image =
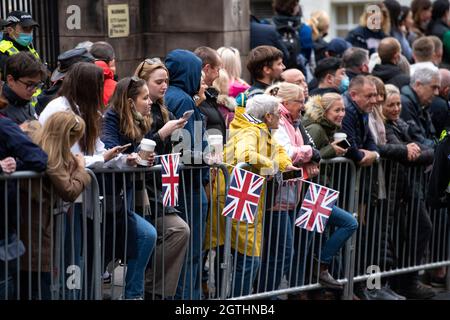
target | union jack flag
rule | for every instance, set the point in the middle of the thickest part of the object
(170, 179)
(316, 208)
(243, 196)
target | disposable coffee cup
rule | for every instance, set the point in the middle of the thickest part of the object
(216, 147)
(146, 148)
(216, 143)
(340, 136)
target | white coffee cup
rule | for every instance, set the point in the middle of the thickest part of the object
(146, 148)
(339, 136)
(148, 145)
(216, 147)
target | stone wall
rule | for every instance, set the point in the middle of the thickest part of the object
(159, 26)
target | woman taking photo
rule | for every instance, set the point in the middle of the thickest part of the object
(126, 122)
(172, 229)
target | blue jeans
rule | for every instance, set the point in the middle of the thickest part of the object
(194, 211)
(346, 225)
(145, 243)
(245, 269)
(278, 248)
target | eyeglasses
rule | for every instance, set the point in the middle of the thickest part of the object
(133, 79)
(149, 62)
(32, 86)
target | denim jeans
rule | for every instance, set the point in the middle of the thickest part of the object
(194, 211)
(278, 248)
(244, 272)
(73, 249)
(145, 243)
(346, 225)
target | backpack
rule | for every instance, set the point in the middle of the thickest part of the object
(291, 40)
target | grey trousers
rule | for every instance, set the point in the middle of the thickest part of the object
(163, 273)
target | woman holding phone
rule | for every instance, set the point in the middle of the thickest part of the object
(173, 230)
(125, 123)
(323, 118)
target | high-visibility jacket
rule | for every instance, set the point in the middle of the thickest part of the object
(7, 47)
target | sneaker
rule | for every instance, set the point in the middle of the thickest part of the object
(417, 291)
(379, 294)
(393, 293)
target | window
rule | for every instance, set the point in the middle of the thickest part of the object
(346, 17)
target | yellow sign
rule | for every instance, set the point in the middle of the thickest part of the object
(118, 20)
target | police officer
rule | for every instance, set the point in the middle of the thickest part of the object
(18, 37)
(65, 62)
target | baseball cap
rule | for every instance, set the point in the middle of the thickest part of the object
(21, 17)
(338, 46)
(67, 59)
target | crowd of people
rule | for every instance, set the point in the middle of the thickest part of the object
(386, 88)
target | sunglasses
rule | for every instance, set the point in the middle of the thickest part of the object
(149, 62)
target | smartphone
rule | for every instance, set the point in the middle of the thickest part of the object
(124, 147)
(290, 175)
(188, 114)
(344, 144)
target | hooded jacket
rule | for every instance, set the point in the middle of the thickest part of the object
(110, 84)
(391, 74)
(185, 70)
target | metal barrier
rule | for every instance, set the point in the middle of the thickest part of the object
(176, 268)
(288, 252)
(199, 254)
(398, 234)
(44, 241)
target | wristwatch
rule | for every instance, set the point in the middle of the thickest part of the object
(196, 98)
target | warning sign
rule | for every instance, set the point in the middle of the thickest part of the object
(118, 20)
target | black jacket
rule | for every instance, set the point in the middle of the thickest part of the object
(440, 114)
(356, 126)
(322, 91)
(265, 34)
(359, 37)
(18, 110)
(391, 74)
(14, 143)
(215, 122)
(437, 195)
(418, 118)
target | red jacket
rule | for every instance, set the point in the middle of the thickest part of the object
(110, 83)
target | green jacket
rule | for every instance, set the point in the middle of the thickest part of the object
(322, 133)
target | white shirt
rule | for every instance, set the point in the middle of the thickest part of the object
(61, 104)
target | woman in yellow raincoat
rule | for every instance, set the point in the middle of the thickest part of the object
(251, 142)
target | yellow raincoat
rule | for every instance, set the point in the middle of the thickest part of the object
(250, 142)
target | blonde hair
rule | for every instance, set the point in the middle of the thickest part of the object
(231, 60)
(386, 24)
(285, 91)
(144, 71)
(222, 83)
(391, 90)
(60, 132)
(318, 105)
(318, 22)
